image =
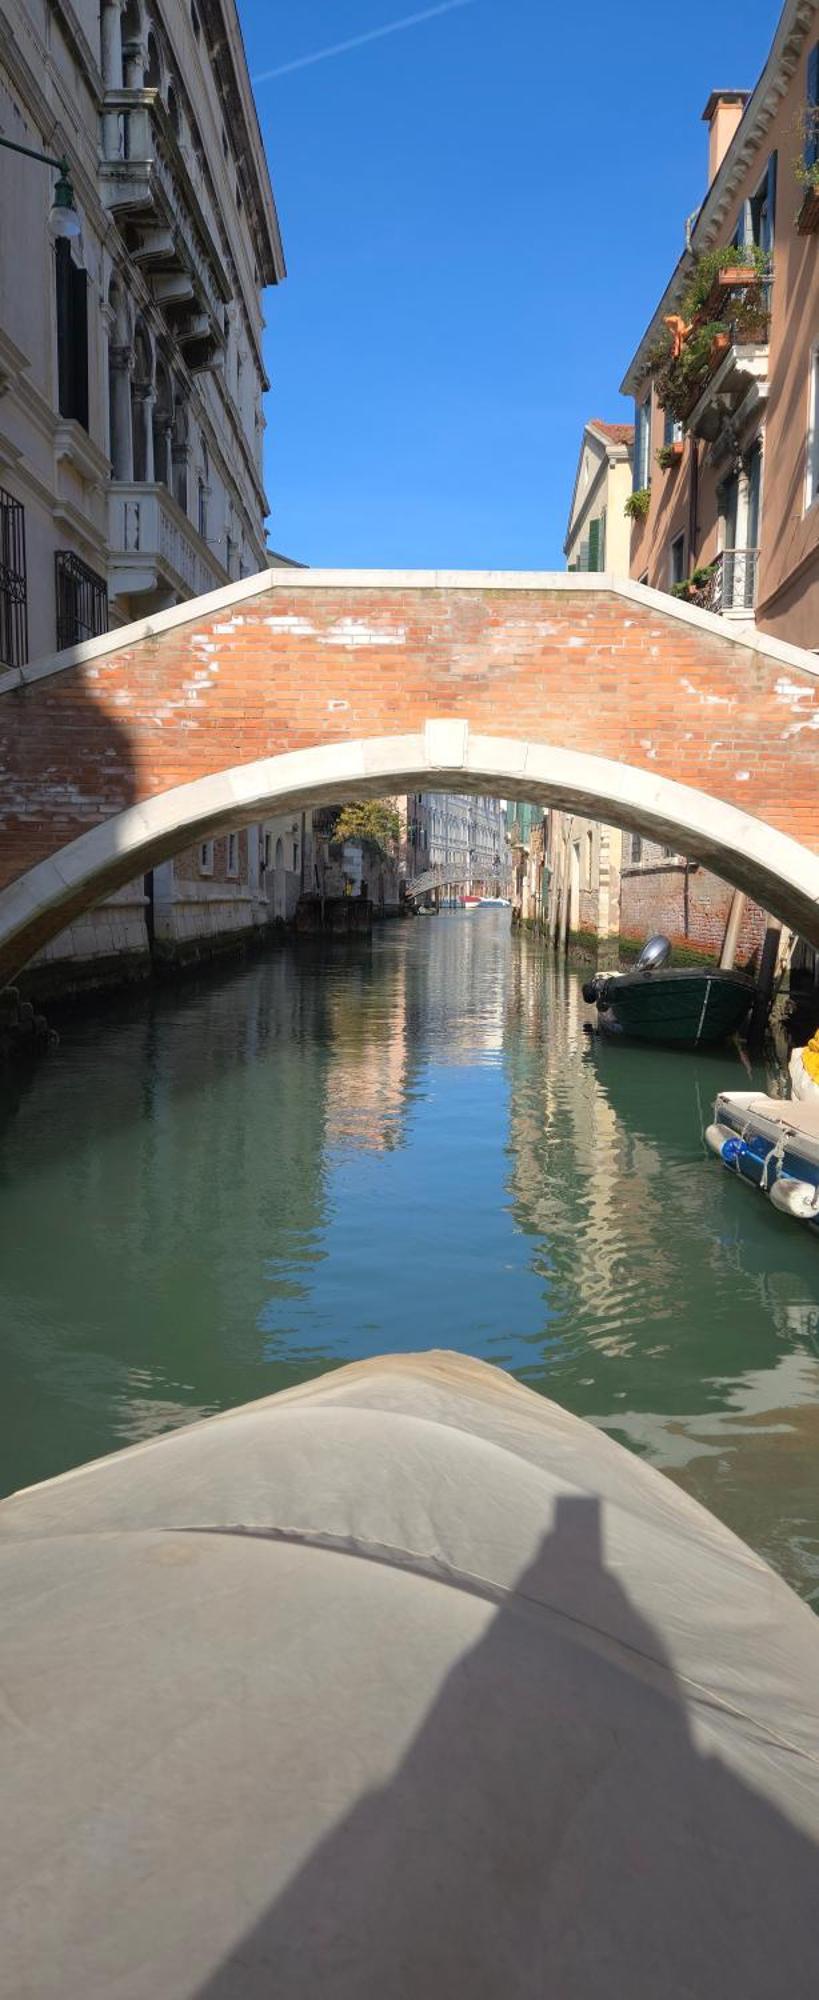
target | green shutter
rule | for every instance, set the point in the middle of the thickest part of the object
(812, 109)
(594, 545)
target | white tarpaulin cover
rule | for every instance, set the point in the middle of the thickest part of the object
(403, 1683)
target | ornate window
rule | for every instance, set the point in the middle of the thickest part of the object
(82, 600)
(13, 592)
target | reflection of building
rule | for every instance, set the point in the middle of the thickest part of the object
(131, 423)
(530, 874)
(368, 1081)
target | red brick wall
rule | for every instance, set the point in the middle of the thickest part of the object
(291, 668)
(690, 906)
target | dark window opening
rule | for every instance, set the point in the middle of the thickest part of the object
(13, 592)
(82, 600)
(676, 567)
(72, 336)
(636, 849)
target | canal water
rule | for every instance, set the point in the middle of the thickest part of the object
(213, 1191)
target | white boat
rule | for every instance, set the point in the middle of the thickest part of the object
(773, 1142)
(496, 902)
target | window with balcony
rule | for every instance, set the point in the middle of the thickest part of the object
(82, 600)
(13, 590)
(72, 336)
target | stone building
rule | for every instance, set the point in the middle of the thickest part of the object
(461, 835)
(131, 375)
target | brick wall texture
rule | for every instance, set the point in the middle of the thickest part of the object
(295, 668)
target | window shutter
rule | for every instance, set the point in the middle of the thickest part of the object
(79, 321)
(772, 164)
(811, 133)
(63, 281)
(72, 336)
(594, 545)
(640, 411)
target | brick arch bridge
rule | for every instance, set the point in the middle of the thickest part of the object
(299, 687)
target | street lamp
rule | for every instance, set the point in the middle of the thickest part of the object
(63, 220)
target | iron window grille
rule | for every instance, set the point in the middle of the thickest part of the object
(82, 601)
(13, 591)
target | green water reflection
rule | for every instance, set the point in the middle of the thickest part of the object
(213, 1192)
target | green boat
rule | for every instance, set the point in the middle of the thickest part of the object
(660, 1003)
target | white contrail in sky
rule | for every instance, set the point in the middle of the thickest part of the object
(357, 41)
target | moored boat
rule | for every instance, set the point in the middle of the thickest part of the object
(773, 1142)
(688, 1006)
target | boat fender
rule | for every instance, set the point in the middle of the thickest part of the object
(725, 1144)
(796, 1198)
(591, 989)
(715, 1137)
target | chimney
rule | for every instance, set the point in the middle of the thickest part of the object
(722, 115)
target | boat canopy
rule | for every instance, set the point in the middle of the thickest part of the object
(404, 1682)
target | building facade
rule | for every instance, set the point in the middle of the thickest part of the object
(598, 537)
(461, 836)
(131, 370)
(726, 390)
(727, 371)
(583, 857)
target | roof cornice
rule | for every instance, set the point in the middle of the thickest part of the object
(795, 22)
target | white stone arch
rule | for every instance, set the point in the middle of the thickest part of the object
(446, 756)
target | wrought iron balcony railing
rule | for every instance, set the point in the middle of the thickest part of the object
(732, 584)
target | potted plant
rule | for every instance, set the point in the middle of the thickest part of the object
(694, 589)
(669, 455)
(638, 503)
(806, 171)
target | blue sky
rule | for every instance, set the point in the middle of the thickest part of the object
(479, 213)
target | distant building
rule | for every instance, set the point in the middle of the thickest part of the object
(598, 536)
(131, 373)
(461, 836)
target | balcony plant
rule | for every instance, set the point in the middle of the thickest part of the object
(670, 455)
(806, 172)
(695, 589)
(697, 337)
(638, 503)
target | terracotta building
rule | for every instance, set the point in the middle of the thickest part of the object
(725, 381)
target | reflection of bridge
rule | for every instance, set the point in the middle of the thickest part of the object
(298, 687)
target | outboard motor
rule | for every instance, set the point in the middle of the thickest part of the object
(656, 953)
